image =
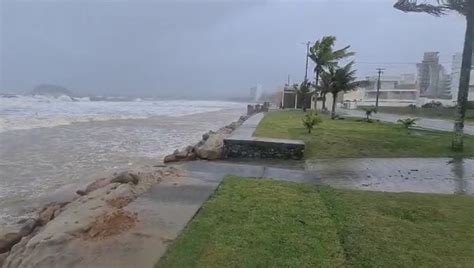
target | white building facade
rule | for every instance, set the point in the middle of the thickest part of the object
(395, 91)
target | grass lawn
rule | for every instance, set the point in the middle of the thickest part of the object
(353, 138)
(263, 223)
(441, 113)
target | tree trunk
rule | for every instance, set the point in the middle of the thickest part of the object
(324, 101)
(315, 93)
(303, 101)
(333, 109)
(457, 143)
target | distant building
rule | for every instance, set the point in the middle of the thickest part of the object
(456, 75)
(394, 91)
(433, 81)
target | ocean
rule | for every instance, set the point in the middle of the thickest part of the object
(51, 146)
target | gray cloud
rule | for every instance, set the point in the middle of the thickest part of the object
(203, 48)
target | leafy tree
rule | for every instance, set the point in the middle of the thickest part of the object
(368, 112)
(322, 53)
(310, 120)
(465, 8)
(407, 122)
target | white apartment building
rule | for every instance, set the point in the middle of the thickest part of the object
(394, 91)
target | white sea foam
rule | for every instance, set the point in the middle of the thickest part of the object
(33, 164)
(26, 112)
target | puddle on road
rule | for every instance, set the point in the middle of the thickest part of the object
(424, 175)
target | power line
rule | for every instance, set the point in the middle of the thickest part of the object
(394, 63)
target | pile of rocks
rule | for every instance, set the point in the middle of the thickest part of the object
(210, 147)
(58, 223)
(258, 108)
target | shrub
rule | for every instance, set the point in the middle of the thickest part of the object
(433, 104)
(407, 122)
(369, 111)
(310, 120)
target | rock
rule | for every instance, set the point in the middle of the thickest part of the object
(94, 186)
(81, 192)
(205, 136)
(232, 126)
(3, 257)
(243, 118)
(181, 154)
(47, 213)
(97, 184)
(224, 130)
(200, 143)
(212, 149)
(191, 156)
(28, 227)
(126, 177)
(170, 158)
(9, 239)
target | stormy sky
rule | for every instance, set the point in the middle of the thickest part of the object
(193, 48)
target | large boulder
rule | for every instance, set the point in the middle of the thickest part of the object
(11, 236)
(3, 257)
(126, 177)
(47, 213)
(170, 158)
(212, 149)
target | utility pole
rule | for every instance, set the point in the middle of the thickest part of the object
(379, 71)
(307, 56)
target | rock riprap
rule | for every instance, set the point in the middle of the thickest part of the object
(210, 147)
(61, 231)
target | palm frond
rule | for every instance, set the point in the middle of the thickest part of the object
(414, 6)
(441, 8)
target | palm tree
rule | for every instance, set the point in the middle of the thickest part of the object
(322, 53)
(465, 8)
(304, 91)
(338, 80)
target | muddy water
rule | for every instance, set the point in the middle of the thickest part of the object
(39, 163)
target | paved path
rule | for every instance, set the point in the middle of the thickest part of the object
(247, 128)
(437, 124)
(423, 175)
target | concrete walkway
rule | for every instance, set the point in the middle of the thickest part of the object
(422, 175)
(247, 129)
(429, 123)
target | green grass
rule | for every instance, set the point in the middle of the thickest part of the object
(353, 138)
(250, 223)
(441, 113)
(262, 223)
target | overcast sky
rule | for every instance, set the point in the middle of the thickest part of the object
(204, 48)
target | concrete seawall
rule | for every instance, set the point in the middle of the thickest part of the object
(242, 144)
